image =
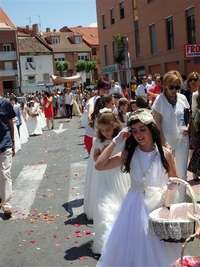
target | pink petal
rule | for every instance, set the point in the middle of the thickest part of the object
(77, 231)
(57, 245)
(55, 236)
(78, 235)
(76, 225)
(32, 241)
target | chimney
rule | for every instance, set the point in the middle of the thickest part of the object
(47, 29)
(35, 29)
(54, 30)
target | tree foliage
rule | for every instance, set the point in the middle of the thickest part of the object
(85, 66)
(119, 55)
(66, 65)
(62, 66)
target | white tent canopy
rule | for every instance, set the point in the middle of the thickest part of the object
(57, 79)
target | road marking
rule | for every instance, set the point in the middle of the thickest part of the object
(60, 129)
(76, 187)
(25, 189)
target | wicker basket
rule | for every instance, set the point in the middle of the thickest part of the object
(173, 225)
(187, 260)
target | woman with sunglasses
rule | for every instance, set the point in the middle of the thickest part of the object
(169, 109)
(193, 83)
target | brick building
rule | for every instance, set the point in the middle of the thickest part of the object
(157, 32)
(9, 55)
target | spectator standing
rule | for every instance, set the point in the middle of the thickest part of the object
(142, 88)
(115, 88)
(7, 149)
(48, 108)
(69, 103)
(168, 110)
(133, 86)
(156, 90)
(16, 107)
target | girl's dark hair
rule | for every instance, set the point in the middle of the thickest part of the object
(100, 104)
(46, 93)
(131, 144)
(108, 118)
(122, 101)
(103, 82)
(142, 102)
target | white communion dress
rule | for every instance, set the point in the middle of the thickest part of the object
(18, 146)
(33, 124)
(89, 185)
(129, 242)
(23, 132)
(110, 188)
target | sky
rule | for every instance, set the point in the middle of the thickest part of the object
(53, 14)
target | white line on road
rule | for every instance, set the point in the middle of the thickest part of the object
(76, 193)
(60, 129)
(25, 189)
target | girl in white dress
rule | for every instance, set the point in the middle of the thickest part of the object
(16, 137)
(123, 108)
(33, 124)
(102, 101)
(150, 166)
(110, 186)
(23, 128)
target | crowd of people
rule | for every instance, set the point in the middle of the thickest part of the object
(138, 138)
(136, 146)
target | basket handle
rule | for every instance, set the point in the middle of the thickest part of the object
(187, 185)
(184, 245)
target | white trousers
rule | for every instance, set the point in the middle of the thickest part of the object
(181, 157)
(5, 177)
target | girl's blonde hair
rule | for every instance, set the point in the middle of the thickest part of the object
(108, 118)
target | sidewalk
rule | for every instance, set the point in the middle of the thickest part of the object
(195, 187)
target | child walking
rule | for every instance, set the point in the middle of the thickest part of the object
(110, 186)
(123, 108)
(149, 166)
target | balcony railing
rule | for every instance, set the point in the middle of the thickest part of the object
(8, 55)
(8, 72)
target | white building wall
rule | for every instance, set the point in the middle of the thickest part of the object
(43, 65)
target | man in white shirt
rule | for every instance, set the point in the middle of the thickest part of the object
(142, 88)
(115, 88)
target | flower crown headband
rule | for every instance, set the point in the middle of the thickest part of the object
(143, 115)
(105, 110)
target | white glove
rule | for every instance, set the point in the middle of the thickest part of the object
(121, 136)
(172, 185)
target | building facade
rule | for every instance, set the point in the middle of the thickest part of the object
(9, 56)
(159, 36)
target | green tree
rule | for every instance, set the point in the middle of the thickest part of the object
(119, 56)
(66, 65)
(80, 66)
(90, 65)
(59, 67)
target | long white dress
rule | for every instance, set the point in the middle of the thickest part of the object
(23, 132)
(110, 188)
(88, 206)
(18, 146)
(33, 124)
(129, 243)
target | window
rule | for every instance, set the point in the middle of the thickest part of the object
(106, 54)
(55, 40)
(46, 77)
(170, 33)
(83, 57)
(112, 17)
(104, 21)
(78, 40)
(191, 34)
(6, 47)
(137, 43)
(152, 29)
(121, 9)
(30, 64)
(31, 79)
(94, 51)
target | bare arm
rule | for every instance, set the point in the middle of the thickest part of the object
(106, 162)
(90, 110)
(171, 161)
(158, 119)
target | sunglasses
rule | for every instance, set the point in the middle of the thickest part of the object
(193, 79)
(172, 87)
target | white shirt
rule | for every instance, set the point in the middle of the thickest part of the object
(141, 90)
(116, 89)
(171, 118)
(68, 98)
(88, 130)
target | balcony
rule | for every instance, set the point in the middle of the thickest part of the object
(8, 72)
(8, 55)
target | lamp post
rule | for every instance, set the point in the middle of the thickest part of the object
(73, 54)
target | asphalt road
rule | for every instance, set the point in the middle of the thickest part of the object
(48, 226)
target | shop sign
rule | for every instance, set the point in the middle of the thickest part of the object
(192, 50)
(111, 68)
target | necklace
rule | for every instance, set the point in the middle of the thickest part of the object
(171, 101)
(144, 173)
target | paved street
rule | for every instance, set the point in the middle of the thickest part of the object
(48, 227)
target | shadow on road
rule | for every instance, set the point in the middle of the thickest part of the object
(81, 252)
(72, 204)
